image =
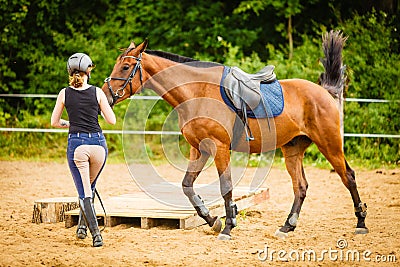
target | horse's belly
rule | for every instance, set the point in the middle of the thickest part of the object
(269, 134)
(263, 131)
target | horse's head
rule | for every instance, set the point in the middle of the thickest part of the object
(126, 78)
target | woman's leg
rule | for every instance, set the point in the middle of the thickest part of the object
(88, 161)
(98, 156)
(73, 143)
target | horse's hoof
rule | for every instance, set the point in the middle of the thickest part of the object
(281, 234)
(217, 226)
(361, 231)
(224, 237)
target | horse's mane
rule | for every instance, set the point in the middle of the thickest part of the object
(158, 53)
(182, 59)
(174, 57)
(171, 56)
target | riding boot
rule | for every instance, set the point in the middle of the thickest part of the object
(81, 231)
(91, 220)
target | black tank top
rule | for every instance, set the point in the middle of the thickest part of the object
(83, 110)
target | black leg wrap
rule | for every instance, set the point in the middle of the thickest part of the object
(231, 212)
(361, 213)
(230, 222)
(198, 204)
(91, 220)
(200, 208)
(290, 223)
(204, 213)
(361, 210)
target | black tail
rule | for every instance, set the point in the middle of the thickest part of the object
(333, 79)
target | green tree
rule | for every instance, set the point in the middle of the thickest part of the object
(38, 36)
(286, 9)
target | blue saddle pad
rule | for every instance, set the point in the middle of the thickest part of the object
(272, 100)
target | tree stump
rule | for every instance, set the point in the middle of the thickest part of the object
(52, 210)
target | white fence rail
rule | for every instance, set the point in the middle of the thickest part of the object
(171, 132)
(36, 130)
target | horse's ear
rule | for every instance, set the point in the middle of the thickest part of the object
(143, 45)
(132, 45)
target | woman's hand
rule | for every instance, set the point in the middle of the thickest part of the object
(64, 123)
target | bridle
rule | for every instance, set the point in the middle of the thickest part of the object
(121, 91)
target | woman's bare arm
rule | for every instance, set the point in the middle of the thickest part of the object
(56, 120)
(106, 110)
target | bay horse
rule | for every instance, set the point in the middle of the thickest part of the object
(310, 114)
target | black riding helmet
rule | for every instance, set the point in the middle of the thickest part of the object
(79, 62)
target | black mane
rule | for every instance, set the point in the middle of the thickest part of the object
(182, 59)
(170, 56)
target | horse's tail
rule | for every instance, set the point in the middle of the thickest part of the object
(334, 77)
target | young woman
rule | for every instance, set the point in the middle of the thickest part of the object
(87, 147)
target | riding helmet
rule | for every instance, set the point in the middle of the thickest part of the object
(79, 62)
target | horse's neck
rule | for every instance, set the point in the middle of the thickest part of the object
(177, 83)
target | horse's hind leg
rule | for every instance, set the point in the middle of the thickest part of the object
(197, 161)
(294, 154)
(333, 151)
(360, 208)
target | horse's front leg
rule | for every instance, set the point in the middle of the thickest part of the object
(222, 162)
(197, 161)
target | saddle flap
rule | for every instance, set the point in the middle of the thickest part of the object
(241, 89)
(270, 105)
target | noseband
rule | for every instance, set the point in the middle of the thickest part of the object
(121, 91)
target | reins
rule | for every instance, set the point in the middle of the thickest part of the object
(102, 205)
(121, 91)
(118, 94)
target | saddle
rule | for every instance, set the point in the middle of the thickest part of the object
(243, 88)
(243, 91)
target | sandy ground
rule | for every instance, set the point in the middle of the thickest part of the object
(327, 218)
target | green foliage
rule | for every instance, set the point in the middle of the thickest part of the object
(37, 146)
(375, 73)
(304, 64)
(371, 55)
(37, 37)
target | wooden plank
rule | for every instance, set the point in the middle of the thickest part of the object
(70, 220)
(147, 223)
(139, 206)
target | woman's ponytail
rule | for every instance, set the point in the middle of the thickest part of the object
(77, 79)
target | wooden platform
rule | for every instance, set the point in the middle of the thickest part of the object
(142, 210)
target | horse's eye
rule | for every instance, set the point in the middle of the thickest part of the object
(125, 67)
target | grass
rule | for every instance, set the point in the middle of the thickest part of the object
(28, 148)
(45, 147)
